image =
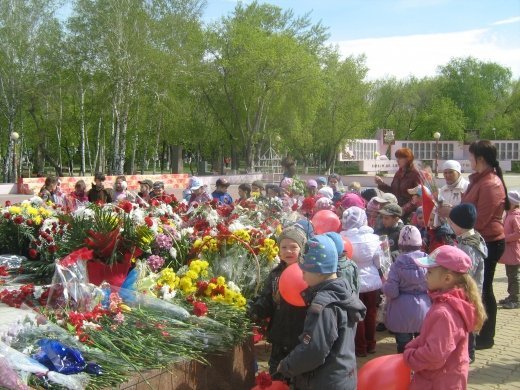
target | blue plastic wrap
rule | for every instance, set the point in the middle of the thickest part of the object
(60, 358)
(128, 287)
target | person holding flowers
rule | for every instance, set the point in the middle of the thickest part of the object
(286, 321)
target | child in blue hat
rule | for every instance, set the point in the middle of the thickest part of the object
(325, 357)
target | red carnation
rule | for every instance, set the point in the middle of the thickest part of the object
(148, 221)
(33, 253)
(200, 309)
(126, 206)
(18, 220)
(7, 215)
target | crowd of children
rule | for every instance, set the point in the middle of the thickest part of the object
(432, 290)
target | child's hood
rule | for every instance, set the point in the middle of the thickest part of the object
(477, 243)
(336, 292)
(457, 300)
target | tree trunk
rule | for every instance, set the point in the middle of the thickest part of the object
(82, 128)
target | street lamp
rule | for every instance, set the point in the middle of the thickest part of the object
(436, 135)
(14, 137)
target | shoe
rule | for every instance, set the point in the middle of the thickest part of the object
(505, 300)
(511, 305)
(380, 327)
(484, 345)
(472, 360)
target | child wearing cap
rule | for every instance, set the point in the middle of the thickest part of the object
(220, 194)
(286, 321)
(197, 190)
(462, 219)
(405, 289)
(439, 355)
(392, 225)
(324, 358)
(511, 256)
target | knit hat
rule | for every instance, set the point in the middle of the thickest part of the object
(323, 203)
(322, 180)
(294, 233)
(453, 165)
(391, 209)
(387, 197)
(195, 183)
(351, 199)
(514, 197)
(312, 183)
(446, 256)
(286, 183)
(321, 256)
(353, 217)
(464, 215)
(338, 241)
(326, 191)
(410, 238)
(307, 226)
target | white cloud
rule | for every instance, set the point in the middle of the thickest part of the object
(420, 55)
(514, 19)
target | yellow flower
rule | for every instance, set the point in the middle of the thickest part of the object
(185, 283)
(125, 308)
(279, 229)
(45, 213)
(241, 301)
(32, 211)
(197, 243)
(191, 274)
(221, 281)
(37, 220)
(15, 210)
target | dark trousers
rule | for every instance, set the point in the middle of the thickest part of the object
(366, 329)
(402, 339)
(487, 333)
(278, 353)
(512, 282)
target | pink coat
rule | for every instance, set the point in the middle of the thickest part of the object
(439, 356)
(511, 254)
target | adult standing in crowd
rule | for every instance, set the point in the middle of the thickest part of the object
(487, 191)
(450, 194)
(98, 193)
(406, 177)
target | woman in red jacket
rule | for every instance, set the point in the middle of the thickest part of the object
(487, 191)
(405, 178)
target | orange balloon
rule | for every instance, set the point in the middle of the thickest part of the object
(325, 221)
(388, 372)
(291, 285)
(347, 248)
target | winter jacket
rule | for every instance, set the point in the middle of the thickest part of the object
(325, 357)
(511, 254)
(286, 322)
(99, 194)
(348, 270)
(439, 356)
(407, 294)
(367, 255)
(222, 197)
(393, 237)
(404, 179)
(488, 195)
(475, 247)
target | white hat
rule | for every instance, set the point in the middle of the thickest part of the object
(514, 197)
(452, 164)
(326, 191)
(353, 217)
(195, 183)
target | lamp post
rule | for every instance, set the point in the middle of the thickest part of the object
(436, 135)
(14, 137)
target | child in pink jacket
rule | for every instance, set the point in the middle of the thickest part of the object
(439, 356)
(511, 256)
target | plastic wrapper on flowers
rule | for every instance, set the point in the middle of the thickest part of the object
(11, 262)
(70, 287)
(21, 362)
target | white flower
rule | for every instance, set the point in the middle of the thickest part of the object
(38, 291)
(233, 287)
(236, 225)
(212, 218)
(36, 201)
(84, 212)
(28, 350)
(166, 293)
(187, 231)
(89, 325)
(138, 216)
(173, 252)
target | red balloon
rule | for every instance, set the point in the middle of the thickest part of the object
(275, 385)
(326, 221)
(347, 248)
(388, 372)
(291, 284)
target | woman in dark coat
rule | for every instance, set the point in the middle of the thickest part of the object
(405, 178)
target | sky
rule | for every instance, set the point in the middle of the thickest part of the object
(403, 38)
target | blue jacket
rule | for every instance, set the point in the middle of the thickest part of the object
(407, 294)
(222, 197)
(325, 357)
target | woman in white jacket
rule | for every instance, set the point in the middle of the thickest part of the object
(367, 254)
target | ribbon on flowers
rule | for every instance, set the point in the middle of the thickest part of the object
(73, 257)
